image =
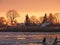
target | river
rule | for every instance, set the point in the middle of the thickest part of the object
(28, 38)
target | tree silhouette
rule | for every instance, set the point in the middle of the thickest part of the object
(34, 20)
(51, 18)
(27, 21)
(44, 18)
(40, 19)
(2, 21)
(11, 15)
(57, 17)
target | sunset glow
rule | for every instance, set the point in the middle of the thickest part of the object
(31, 7)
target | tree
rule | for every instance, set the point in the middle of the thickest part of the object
(11, 15)
(34, 20)
(27, 21)
(57, 17)
(2, 21)
(44, 18)
(51, 18)
(40, 19)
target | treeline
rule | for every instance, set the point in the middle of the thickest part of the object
(29, 21)
(45, 19)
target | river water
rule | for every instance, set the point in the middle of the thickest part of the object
(28, 38)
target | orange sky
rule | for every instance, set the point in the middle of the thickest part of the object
(32, 7)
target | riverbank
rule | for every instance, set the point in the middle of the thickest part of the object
(30, 29)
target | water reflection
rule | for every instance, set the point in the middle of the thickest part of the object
(18, 38)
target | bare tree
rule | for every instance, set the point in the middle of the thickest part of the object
(52, 18)
(11, 15)
(57, 17)
(2, 21)
(34, 20)
(40, 19)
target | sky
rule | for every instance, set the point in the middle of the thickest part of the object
(31, 7)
